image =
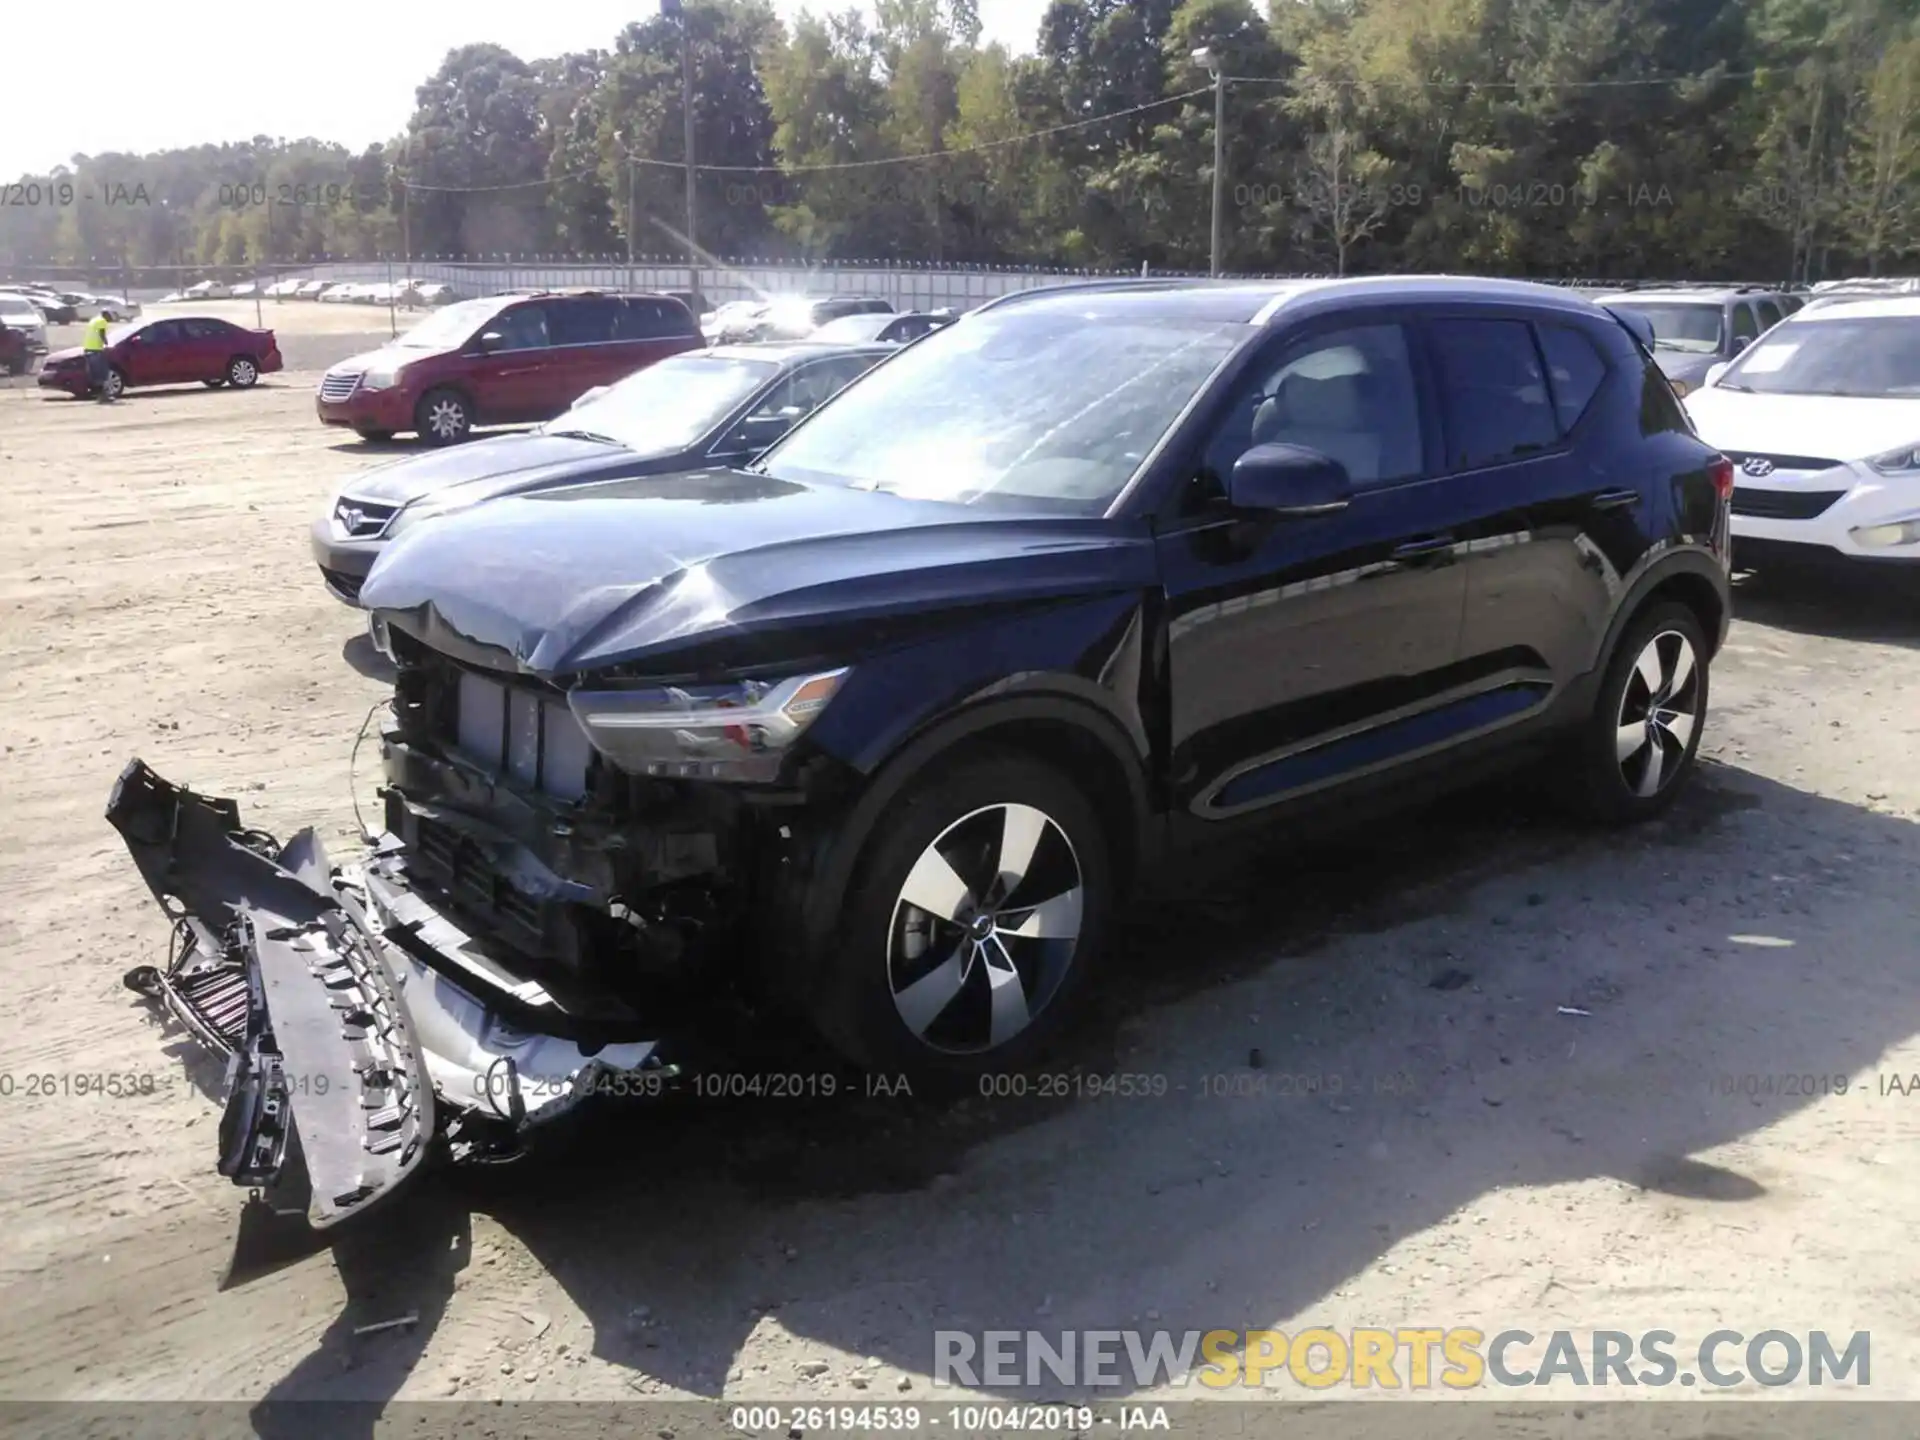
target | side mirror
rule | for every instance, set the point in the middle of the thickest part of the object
(490, 341)
(1290, 481)
(1715, 371)
(1740, 342)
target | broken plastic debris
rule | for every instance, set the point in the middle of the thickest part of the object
(412, 1317)
(1572, 1010)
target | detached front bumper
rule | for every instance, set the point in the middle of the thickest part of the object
(364, 1033)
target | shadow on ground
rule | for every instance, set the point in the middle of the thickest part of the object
(1356, 1042)
(1853, 602)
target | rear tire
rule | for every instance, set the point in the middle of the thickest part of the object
(974, 913)
(1637, 749)
(243, 372)
(443, 417)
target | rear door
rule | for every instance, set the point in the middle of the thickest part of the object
(507, 381)
(646, 329)
(1308, 652)
(209, 344)
(581, 329)
(1553, 523)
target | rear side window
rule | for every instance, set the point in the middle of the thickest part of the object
(1769, 313)
(1494, 395)
(206, 329)
(1576, 369)
(654, 320)
(582, 322)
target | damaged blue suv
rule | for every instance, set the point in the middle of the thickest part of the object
(878, 729)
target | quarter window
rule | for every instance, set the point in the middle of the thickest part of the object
(1575, 368)
(653, 320)
(1493, 392)
(1348, 394)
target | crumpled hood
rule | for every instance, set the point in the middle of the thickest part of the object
(589, 576)
(1834, 427)
(481, 469)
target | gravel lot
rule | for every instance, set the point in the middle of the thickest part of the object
(1489, 1160)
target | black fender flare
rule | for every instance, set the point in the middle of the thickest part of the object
(840, 849)
(1696, 562)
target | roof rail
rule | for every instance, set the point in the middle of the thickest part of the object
(1088, 287)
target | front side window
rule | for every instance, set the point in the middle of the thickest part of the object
(454, 325)
(1049, 407)
(1348, 394)
(1745, 327)
(524, 327)
(1493, 394)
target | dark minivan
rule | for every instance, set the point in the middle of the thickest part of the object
(877, 732)
(503, 360)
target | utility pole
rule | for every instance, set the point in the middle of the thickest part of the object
(1205, 57)
(633, 213)
(677, 9)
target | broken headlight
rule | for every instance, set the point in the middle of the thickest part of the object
(738, 731)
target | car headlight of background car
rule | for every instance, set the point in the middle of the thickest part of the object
(1903, 461)
(738, 731)
(381, 377)
(1682, 388)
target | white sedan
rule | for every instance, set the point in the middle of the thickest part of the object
(1821, 418)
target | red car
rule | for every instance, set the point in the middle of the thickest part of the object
(507, 359)
(170, 352)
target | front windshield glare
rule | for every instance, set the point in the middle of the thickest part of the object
(1040, 408)
(1694, 328)
(1877, 358)
(450, 326)
(669, 405)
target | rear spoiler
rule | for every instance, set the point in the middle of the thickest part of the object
(1635, 324)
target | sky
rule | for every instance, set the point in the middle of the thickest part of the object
(169, 76)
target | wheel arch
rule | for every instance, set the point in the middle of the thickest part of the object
(1694, 578)
(1070, 733)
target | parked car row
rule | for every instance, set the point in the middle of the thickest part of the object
(400, 292)
(67, 307)
(1697, 327)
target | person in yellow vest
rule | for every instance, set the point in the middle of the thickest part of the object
(95, 346)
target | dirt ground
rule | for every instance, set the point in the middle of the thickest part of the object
(1488, 1160)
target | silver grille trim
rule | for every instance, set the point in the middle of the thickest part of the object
(338, 385)
(362, 519)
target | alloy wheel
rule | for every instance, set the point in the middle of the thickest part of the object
(1659, 712)
(243, 373)
(114, 384)
(446, 418)
(986, 926)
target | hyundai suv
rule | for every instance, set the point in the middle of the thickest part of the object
(877, 730)
(505, 359)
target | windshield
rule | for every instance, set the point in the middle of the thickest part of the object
(1693, 328)
(669, 405)
(1045, 408)
(450, 326)
(854, 327)
(1877, 358)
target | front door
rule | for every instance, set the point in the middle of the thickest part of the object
(1303, 652)
(510, 383)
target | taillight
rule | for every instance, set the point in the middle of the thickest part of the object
(1720, 468)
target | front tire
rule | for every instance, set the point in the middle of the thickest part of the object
(973, 916)
(115, 385)
(443, 417)
(1640, 744)
(377, 436)
(215, 383)
(242, 372)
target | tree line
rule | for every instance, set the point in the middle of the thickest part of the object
(1749, 139)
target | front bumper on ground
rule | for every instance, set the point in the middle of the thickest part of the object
(358, 1046)
(344, 563)
(387, 410)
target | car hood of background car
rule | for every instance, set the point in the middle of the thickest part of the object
(1682, 364)
(636, 571)
(72, 352)
(1837, 427)
(498, 465)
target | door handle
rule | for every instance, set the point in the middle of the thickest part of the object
(1426, 545)
(1615, 499)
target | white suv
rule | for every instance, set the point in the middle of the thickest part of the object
(1821, 418)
